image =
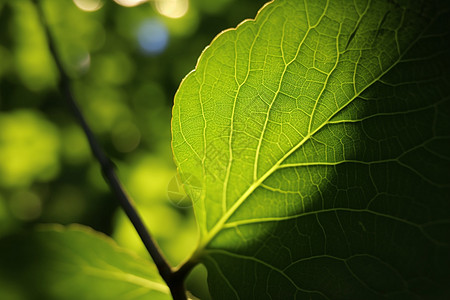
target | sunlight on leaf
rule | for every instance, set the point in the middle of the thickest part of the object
(319, 136)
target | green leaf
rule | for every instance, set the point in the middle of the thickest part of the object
(75, 262)
(314, 142)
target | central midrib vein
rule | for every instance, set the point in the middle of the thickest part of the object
(249, 191)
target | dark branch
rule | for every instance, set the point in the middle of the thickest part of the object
(175, 283)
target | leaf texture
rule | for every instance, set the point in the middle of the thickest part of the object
(74, 262)
(314, 142)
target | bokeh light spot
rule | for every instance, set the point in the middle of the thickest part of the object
(185, 26)
(129, 3)
(172, 8)
(88, 5)
(153, 36)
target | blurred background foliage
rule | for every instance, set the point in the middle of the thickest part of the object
(126, 59)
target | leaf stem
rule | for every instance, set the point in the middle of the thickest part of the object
(173, 279)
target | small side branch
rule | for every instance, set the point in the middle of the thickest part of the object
(175, 283)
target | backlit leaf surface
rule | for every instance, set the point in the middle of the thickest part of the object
(314, 142)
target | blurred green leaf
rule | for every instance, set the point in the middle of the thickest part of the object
(29, 148)
(318, 135)
(75, 262)
(33, 62)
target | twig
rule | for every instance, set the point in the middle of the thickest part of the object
(175, 283)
